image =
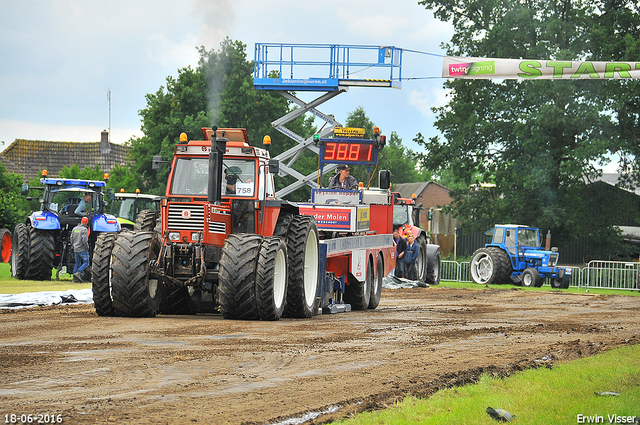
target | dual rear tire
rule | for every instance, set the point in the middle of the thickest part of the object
(32, 253)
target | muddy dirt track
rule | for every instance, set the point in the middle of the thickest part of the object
(203, 369)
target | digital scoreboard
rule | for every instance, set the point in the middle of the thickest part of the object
(348, 152)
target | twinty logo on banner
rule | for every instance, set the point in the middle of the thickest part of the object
(460, 67)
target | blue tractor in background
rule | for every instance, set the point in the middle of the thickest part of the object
(42, 242)
(515, 255)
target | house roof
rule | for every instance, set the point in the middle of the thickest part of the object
(408, 189)
(612, 179)
(30, 157)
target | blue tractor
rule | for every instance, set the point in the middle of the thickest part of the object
(42, 242)
(515, 255)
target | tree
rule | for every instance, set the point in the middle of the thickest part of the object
(539, 141)
(13, 207)
(401, 161)
(218, 92)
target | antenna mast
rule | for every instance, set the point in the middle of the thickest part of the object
(109, 100)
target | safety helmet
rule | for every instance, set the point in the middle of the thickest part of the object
(85, 220)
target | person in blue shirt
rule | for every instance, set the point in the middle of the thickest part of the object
(411, 257)
(82, 206)
(401, 246)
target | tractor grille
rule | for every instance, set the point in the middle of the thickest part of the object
(553, 259)
(217, 228)
(186, 217)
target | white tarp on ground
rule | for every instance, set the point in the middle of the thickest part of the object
(85, 296)
(392, 282)
(33, 299)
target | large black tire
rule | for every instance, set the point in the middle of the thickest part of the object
(177, 301)
(422, 261)
(237, 276)
(271, 278)
(434, 260)
(5, 242)
(304, 262)
(376, 288)
(41, 254)
(20, 252)
(357, 293)
(100, 273)
(135, 294)
(490, 266)
(531, 278)
(560, 283)
(146, 221)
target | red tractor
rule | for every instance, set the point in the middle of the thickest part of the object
(227, 245)
(406, 218)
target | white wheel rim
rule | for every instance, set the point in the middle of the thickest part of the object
(279, 279)
(482, 268)
(311, 268)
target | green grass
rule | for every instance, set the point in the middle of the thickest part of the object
(8, 285)
(535, 396)
(470, 285)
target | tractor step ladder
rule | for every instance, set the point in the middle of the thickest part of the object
(286, 68)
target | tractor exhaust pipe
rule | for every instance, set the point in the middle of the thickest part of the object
(548, 241)
(216, 155)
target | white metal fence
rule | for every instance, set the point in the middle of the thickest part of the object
(596, 274)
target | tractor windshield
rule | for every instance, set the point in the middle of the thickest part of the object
(129, 208)
(66, 201)
(191, 177)
(528, 237)
(402, 214)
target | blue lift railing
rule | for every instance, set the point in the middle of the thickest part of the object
(325, 67)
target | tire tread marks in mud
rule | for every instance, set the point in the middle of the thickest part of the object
(237, 276)
(41, 254)
(297, 238)
(100, 269)
(270, 296)
(20, 251)
(133, 293)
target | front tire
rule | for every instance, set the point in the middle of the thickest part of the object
(20, 252)
(303, 249)
(237, 276)
(101, 273)
(135, 292)
(146, 221)
(271, 278)
(531, 278)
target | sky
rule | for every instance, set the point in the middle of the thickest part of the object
(59, 59)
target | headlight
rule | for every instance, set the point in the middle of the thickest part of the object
(174, 236)
(195, 237)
